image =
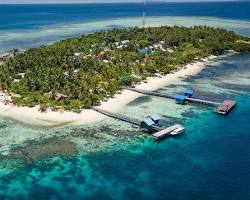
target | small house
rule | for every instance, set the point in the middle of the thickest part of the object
(120, 47)
(66, 73)
(142, 50)
(162, 42)
(151, 49)
(106, 61)
(147, 124)
(164, 50)
(124, 42)
(156, 46)
(188, 92)
(155, 118)
(169, 50)
(48, 94)
(22, 75)
(59, 96)
(180, 99)
(77, 54)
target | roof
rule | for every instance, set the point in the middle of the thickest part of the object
(125, 41)
(66, 73)
(180, 97)
(170, 50)
(21, 74)
(143, 50)
(148, 121)
(189, 92)
(77, 54)
(155, 117)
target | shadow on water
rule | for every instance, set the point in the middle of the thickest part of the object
(140, 100)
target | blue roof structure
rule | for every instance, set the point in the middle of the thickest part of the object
(155, 117)
(188, 92)
(143, 50)
(180, 97)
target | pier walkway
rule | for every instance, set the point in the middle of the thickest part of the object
(159, 94)
(121, 117)
(201, 101)
(163, 132)
(159, 132)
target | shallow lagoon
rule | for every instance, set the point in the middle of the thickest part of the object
(112, 159)
(26, 38)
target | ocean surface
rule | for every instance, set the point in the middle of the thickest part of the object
(114, 160)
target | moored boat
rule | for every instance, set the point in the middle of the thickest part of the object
(178, 131)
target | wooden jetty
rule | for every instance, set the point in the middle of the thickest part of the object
(165, 132)
(221, 108)
(149, 124)
(121, 117)
(200, 101)
(157, 94)
(225, 107)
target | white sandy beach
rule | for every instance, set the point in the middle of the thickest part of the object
(113, 104)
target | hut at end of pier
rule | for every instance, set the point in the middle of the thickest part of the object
(180, 99)
(147, 124)
(188, 92)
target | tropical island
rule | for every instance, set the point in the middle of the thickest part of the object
(78, 73)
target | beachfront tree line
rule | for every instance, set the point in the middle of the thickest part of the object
(80, 72)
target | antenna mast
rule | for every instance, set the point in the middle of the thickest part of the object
(144, 14)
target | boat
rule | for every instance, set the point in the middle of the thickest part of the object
(178, 131)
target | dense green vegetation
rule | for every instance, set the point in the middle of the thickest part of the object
(95, 66)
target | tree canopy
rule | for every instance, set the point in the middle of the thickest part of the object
(87, 69)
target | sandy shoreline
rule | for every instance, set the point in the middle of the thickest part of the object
(113, 104)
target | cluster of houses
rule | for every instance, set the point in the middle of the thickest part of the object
(150, 49)
(78, 54)
(154, 47)
(123, 44)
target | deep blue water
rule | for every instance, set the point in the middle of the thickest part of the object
(33, 16)
(210, 161)
(24, 26)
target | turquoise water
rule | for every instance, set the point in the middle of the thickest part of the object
(115, 160)
(33, 25)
